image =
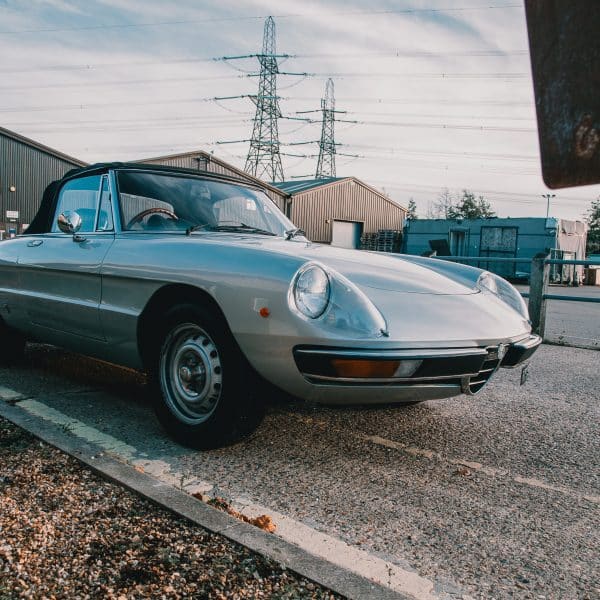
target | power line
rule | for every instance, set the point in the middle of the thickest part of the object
(446, 116)
(155, 127)
(449, 126)
(191, 60)
(86, 105)
(468, 155)
(421, 75)
(119, 82)
(438, 166)
(174, 80)
(53, 126)
(252, 18)
(525, 198)
(420, 101)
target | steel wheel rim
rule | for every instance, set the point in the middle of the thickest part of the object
(191, 373)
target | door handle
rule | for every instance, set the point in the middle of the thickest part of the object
(34, 243)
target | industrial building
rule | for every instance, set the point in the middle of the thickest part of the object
(340, 210)
(503, 238)
(26, 168)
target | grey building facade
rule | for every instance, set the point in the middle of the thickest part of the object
(26, 168)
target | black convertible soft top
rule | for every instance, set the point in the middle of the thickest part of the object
(42, 222)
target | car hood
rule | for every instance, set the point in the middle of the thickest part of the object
(377, 270)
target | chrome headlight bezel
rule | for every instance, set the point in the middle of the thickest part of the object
(311, 296)
(491, 283)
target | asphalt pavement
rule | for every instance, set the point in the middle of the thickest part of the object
(492, 496)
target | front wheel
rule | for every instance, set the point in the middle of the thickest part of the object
(206, 387)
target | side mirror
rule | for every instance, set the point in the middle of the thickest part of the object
(69, 222)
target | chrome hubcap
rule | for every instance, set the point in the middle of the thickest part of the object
(191, 373)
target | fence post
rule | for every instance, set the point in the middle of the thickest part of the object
(538, 285)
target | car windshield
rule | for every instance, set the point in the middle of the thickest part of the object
(154, 202)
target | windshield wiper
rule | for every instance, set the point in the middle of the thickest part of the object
(197, 227)
(292, 233)
(232, 227)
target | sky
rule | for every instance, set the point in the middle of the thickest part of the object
(438, 93)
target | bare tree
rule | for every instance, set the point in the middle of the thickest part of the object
(440, 208)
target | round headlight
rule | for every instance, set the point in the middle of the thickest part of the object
(504, 290)
(512, 296)
(311, 291)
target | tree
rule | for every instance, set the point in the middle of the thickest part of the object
(440, 208)
(469, 207)
(593, 220)
(412, 210)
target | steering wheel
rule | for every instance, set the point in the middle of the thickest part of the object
(151, 211)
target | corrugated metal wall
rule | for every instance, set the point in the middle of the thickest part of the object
(343, 201)
(203, 163)
(29, 170)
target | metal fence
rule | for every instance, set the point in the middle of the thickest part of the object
(539, 295)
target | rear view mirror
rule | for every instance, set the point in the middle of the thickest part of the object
(69, 222)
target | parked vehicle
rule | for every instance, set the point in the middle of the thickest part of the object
(202, 282)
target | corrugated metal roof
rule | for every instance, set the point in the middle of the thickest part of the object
(47, 150)
(301, 185)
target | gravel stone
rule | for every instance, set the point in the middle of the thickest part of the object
(67, 533)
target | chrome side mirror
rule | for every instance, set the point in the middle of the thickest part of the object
(69, 222)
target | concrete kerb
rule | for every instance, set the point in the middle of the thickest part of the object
(296, 559)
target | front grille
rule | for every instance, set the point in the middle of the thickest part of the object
(467, 371)
(490, 364)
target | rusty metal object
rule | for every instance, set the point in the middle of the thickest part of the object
(565, 60)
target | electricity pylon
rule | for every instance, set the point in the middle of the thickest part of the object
(264, 160)
(326, 162)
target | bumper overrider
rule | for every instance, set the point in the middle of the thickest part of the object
(467, 369)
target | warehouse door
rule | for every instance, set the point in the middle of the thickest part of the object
(458, 242)
(346, 234)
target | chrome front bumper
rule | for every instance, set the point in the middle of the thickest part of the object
(521, 351)
(465, 370)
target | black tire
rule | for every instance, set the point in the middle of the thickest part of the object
(205, 389)
(12, 345)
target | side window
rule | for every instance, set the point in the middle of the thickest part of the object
(105, 216)
(80, 195)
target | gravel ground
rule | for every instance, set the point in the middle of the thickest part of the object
(65, 533)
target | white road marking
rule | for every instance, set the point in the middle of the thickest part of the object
(107, 442)
(157, 468)
(475, 466)
(320, 544)
(9, 395)
(461, 462)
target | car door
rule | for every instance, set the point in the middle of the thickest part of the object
(59, 273)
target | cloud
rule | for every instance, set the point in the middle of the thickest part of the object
(443, 98)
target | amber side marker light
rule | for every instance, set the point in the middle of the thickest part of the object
(374, 369)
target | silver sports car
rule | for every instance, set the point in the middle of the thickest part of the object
(203, 283)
